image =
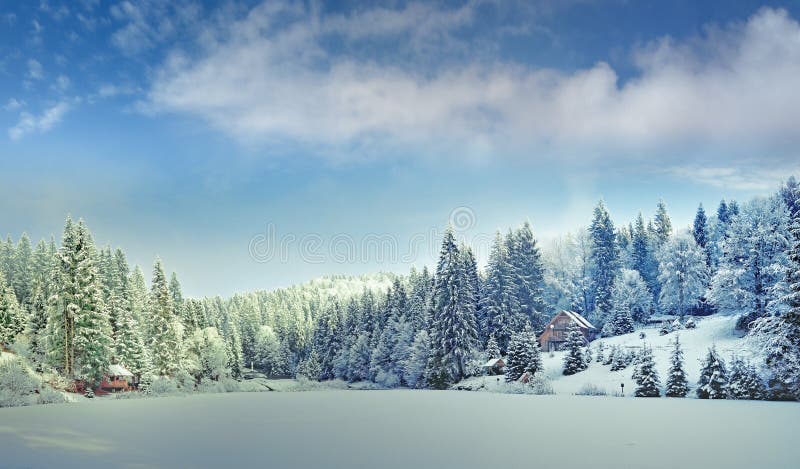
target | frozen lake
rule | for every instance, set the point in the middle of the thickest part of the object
(394, 429)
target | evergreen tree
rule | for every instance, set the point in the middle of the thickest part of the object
(744, 381)
(37, 327)
(662, 224)
(454, 331)
(492, 349)
(500, 305)
(677, 383)
(528, 274)
(359, 359)
(414, 370)
(621, 323)
(646, 376)
(523, 356)
(683, 274)
(176, 294)
(713, 382)
(23, 279)
(92, 341)
(11, 315)
(605, 258)
(630, 292)
(700, 232)
(164, 334)
(573, 360)
(643, 255)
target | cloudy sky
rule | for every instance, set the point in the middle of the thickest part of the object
(258, 144)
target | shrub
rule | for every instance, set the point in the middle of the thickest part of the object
(17, 385)
(589, 389)
(48, 395)
(162, 386)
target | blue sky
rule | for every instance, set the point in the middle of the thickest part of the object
(190, 130)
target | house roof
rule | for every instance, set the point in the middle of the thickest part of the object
(579, 319)
(118, 370)
(493, 362)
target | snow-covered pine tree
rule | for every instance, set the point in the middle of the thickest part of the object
(92, 342)
(164, 330)
(612, 352)
(37, 327)
(621, 323)
(601, 348)
(528, 274)
(744, 381)
(11, 314)
(359, 358)
(23, 279)
(573, 360)
(677, 384)
(492, 349)
(713, 382)
(700, 232)
(523, 355)
(646, 376)
(453, 332)
(414, 370)
(683, 274)
(631, 290)
(605, 258)
(662, 224)
(643, 255)
(620, 359)
(500, 306)
(754, 262)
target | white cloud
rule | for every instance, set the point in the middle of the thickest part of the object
(147, 23)
(266, 78)
(29, 123)
(35, 71)
(62, 83)
(743, 178)
(13, 104)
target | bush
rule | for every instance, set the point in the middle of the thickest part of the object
(540, 386)
(17, 385)
(48, 395)
(163, 386)
(589, 389)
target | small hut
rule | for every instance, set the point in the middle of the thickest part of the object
(118, 379)
(495, 366)
(555, 333)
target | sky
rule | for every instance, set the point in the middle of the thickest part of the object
(259, 144)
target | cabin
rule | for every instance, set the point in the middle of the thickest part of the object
(495, 366)
(118, 379)
(555, 333)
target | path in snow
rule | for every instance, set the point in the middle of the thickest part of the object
(394, 429)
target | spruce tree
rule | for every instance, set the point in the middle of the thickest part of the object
(92, 341)
(165, 342)
(744, 381)
(646, 376)
(523, 356)
(11, 315)
(500, 306)
(713, 382)
(662, 223)
(605, 258)
(622, 323)
(528, 274)
(677, 384)
(492, 349)
(37, 326)
(574, 361)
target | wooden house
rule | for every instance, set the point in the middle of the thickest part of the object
(555, 333)
(118, 379)
(495, 366)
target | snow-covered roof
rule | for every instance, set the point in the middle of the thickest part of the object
(118, 370)
(579, 319)
(493, 362)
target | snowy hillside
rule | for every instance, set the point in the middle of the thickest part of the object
(713, 330)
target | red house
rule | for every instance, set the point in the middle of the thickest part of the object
(555, 333)
(118, 378)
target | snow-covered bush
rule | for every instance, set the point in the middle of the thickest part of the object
(590, 389)
(48, 395)
(540, 386)
(17, 385)
(163, 386)
(690, 324)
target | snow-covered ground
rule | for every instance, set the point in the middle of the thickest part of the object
(713, 330)
(398, 429)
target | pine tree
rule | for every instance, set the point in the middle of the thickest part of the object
(713, 382)
(92, 340)
(683, 273)
(500, 305)
(528, 274)
(631, 292)
(744, 381)
(601, 348)
(605, 258)
(573, 360)
(176, 294)
(523, 356)
(23, 279)
(700, 232)
(454, 331)
(662, 224)
(11, 315)
(492, 349)
(646, 376)
(37, 327)
(677, 383)
(164, 334)
(621, 323)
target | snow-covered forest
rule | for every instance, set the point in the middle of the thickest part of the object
(69, 310)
